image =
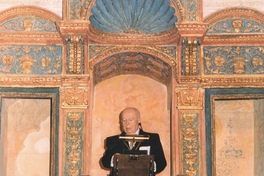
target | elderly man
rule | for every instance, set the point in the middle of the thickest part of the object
(130, 123)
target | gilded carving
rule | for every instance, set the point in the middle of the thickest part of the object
(28, 24)
(228, 60)
(44, 81)
(190, 56)
(30, 59)
(239, 63)
(132, 63)
(74, 96)
(75, 47)
(237, 25)
(180, 8)
(74, 143)
(189, 98)
(125, 38)
(190, 143)
(160, 60)
(26, 64)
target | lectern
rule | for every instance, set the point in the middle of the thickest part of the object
(133, 165)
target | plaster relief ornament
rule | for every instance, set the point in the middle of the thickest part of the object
(26, 64)
(239, 64)
(27, 24)
(237, 25)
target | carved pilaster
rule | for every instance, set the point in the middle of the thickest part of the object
(74, 143)
(190, 143)
(189, 105)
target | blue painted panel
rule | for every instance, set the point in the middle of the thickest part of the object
(28, 23)
(31, 59)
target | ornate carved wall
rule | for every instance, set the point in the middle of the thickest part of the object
(171, 43)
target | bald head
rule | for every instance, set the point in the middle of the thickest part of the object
(129, 120)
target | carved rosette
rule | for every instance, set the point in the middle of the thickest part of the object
(190, 143)
(189, 98)
(74, 96)
(74, 143)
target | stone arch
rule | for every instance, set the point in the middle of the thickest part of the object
(160, 61)
(32, 11)
(168, 60)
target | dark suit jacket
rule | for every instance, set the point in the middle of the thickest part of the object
(114, 145)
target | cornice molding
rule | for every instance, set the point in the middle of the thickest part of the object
(167, 37)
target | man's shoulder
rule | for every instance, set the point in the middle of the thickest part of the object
(111, 138)
(148, 133)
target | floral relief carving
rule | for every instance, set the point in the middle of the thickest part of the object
(74, 96)
(230, 60)
(189, 98)
(190, 143)
(30, 59)
(74, 131)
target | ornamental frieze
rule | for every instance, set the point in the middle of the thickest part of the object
(44, 81)
(233, 60)
(28, 24)
(236, 25)
(30, 59)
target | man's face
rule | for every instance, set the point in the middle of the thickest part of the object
(129, 121)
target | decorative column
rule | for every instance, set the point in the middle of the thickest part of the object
(75, 97)
(190, 103)
(75, 89)
(74, 104)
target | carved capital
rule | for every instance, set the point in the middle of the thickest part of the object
(74, 96)
(189, 98)
(192, 29)
(73, 28)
